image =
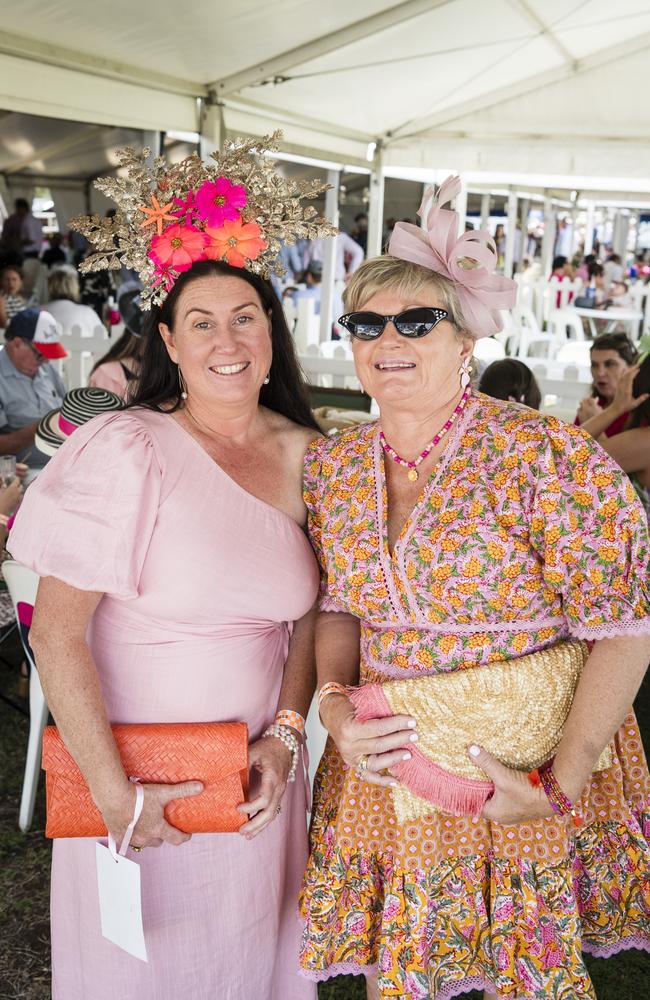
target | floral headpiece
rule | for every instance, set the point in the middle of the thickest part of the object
(237, 209)
(467, 260)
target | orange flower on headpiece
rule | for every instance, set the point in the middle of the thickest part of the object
(236, 242)
(179, 247)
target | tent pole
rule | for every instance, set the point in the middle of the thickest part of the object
(212, 130)
(376, 205)
(524, 212)
(485, 210)
(511, 233)
(460, 205)
(329, 256)
(589, 228)
(548, 240)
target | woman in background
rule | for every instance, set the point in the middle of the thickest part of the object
(612, 355)
(118, 370)
(65, 302)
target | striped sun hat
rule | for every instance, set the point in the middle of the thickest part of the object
(79, 406)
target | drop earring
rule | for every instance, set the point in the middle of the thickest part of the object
(464, 373)
(182, 384)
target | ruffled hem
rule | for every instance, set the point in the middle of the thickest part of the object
(638, 626)
(627, 944)
(339, 969)
(450, 990)
(515, 927)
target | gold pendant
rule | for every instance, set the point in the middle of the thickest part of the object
(413, 475)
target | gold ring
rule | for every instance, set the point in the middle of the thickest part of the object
(134, 848)
(363, 763)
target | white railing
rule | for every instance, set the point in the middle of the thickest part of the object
(329, 365)
(83, 353)
(563, 384)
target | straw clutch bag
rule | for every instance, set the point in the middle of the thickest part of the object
(215, 753)
(515, 709)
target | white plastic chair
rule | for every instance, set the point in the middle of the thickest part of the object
(566, 326)
(22, 584)
(531, 334)
(509, 336)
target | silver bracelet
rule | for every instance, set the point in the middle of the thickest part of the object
(284, 734)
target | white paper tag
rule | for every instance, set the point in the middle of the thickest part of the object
(120, 903)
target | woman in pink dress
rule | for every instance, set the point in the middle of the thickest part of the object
(177, 583)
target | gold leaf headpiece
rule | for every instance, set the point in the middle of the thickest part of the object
(237, 209)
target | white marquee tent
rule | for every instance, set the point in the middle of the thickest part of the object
(542, 95)
(541, 87)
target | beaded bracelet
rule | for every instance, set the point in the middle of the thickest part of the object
(331, 687)
(287, 717)
(560, 803)
(290, 740)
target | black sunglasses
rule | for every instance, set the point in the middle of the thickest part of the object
(410, 323)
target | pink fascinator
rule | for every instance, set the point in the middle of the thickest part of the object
(467, 260)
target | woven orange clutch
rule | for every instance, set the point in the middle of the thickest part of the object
(215, 753)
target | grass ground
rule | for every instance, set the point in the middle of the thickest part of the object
(24, 882)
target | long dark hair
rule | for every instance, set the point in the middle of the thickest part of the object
(126, 346)
(641, 416)
(158, 386)
(508, 378)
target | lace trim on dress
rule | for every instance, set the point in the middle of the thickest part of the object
(339, 969)
(607, 950)
(638, 626)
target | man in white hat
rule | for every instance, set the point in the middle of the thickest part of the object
(29, 386)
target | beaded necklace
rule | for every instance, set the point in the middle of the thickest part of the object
(413, 466)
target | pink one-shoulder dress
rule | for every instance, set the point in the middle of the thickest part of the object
(201, 583)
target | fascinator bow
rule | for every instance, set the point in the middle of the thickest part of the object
(467, 260)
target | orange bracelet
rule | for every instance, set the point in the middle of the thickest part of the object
(331, 687)
(287, 717)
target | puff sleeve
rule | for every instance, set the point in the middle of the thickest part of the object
(313, 490)
(88, 518)
(590, 532)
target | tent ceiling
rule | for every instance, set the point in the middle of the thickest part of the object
(55, 149)
(549, 87)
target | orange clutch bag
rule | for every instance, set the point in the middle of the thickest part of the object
(215, 753)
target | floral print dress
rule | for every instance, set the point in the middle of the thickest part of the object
(526, 534)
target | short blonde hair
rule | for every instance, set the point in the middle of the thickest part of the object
(406, 279)
(63, 283)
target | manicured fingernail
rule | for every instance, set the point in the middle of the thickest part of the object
(413, 738)
(411, 724)
(393, 784)
(406, 756)
(474, 751)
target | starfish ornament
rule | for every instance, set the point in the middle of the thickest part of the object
(157, 214)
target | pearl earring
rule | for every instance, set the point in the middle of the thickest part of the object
(464, 373)
(182, 384)
(266, 380)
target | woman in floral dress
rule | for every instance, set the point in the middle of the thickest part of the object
(516, 533)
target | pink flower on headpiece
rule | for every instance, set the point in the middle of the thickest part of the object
(163, 276)
(179, 247)
(219, 201)
(185, 207)
(235, 242)
(439, 247)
